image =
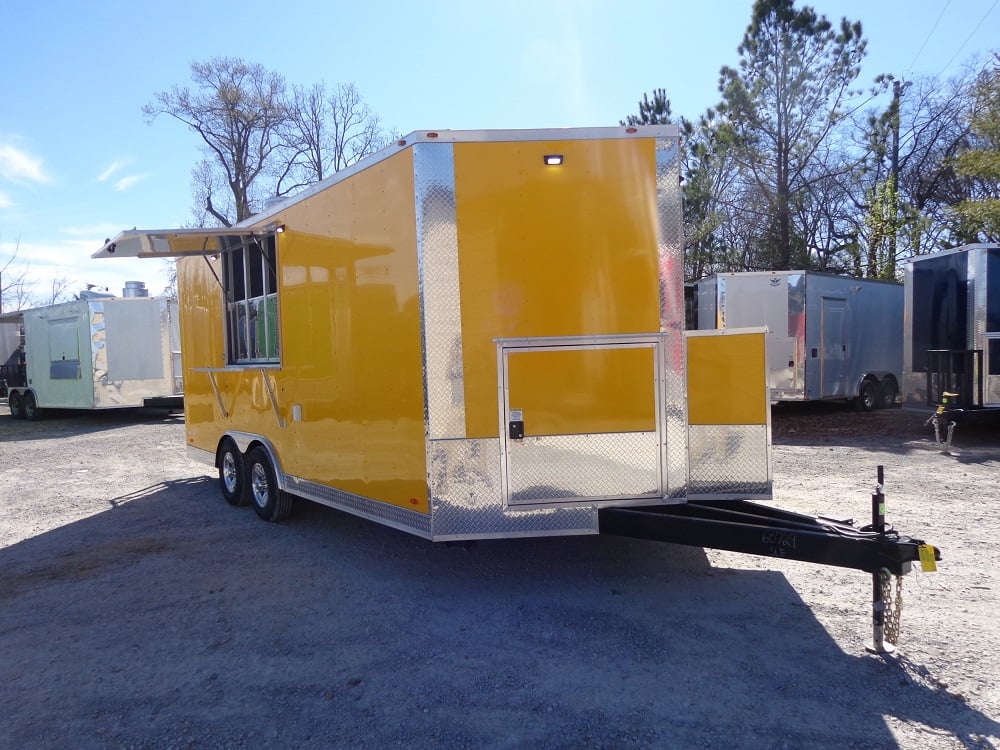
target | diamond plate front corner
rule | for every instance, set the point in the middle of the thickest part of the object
(728, 460)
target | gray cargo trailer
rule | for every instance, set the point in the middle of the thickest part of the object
(98, 353)
(829, 337)
(952, 332)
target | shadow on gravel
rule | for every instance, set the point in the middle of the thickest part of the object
(173, 620)
(56, 423)
(896, 430)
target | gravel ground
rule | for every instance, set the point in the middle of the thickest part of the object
(138, 610)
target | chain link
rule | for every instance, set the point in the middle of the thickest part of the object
(893, 603)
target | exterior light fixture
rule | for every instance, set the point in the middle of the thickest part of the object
(553, 160)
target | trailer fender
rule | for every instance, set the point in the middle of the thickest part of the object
(876, 389)
(29, 408)
(246, 441)
(867, 392)
(888, 391)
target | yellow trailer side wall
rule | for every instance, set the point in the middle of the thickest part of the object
(555, 251)
(349, 320)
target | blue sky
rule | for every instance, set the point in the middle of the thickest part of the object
(78, 163)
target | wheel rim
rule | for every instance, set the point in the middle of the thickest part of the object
(230, 477)
(258, 483)
(29, 407)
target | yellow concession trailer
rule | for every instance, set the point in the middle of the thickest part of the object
(470, 334)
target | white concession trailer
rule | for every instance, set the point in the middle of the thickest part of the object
(98, 353)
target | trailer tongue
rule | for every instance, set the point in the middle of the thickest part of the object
(753, 528)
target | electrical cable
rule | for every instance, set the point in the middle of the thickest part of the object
(929, 34)
(981, 20)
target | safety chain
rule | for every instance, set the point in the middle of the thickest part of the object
(893, 603)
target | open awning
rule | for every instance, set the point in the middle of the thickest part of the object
(173, 243)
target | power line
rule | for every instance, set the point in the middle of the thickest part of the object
(981, 20)
(929, 35)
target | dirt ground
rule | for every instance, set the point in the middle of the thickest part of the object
(138, 610)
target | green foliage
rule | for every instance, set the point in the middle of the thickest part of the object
(884, 223)
(784, 102)
(979, 216)
(786, 172)
(655, 112)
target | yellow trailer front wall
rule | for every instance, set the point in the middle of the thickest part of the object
(554, 251)
(351, 363)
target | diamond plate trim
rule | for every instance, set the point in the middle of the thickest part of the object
(728, 460)
(670, 256)
(583, 467)
(437, 258)
(374, 510)
(467, 499)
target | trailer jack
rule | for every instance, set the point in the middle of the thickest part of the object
(744, 526)
(937, 419)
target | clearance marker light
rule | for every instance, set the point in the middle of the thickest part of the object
(553, 160)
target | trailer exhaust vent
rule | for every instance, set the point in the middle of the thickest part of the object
(135, 289)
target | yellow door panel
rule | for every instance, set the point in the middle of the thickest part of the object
(583, 391)
(727, 379)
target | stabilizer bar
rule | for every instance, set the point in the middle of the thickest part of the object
(743, 526)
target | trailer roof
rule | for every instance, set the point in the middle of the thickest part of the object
(956, 251)
(171, 243)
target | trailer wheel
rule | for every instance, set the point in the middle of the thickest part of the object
(868, 397)
(888, 393)
(16, 404)
(269, 502)
(29, 407)
(232, 473)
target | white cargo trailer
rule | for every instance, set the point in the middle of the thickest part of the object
(829, 337)
(98, 353)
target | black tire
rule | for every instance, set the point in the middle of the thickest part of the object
(868, 397)
(887, 394)
(16, 403)
(30, 407)
(269, 502)
(232, 473)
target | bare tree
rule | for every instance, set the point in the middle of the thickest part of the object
(932, 128)
(324, 133)
(56, 291)
(15, 287)
(237, 109)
